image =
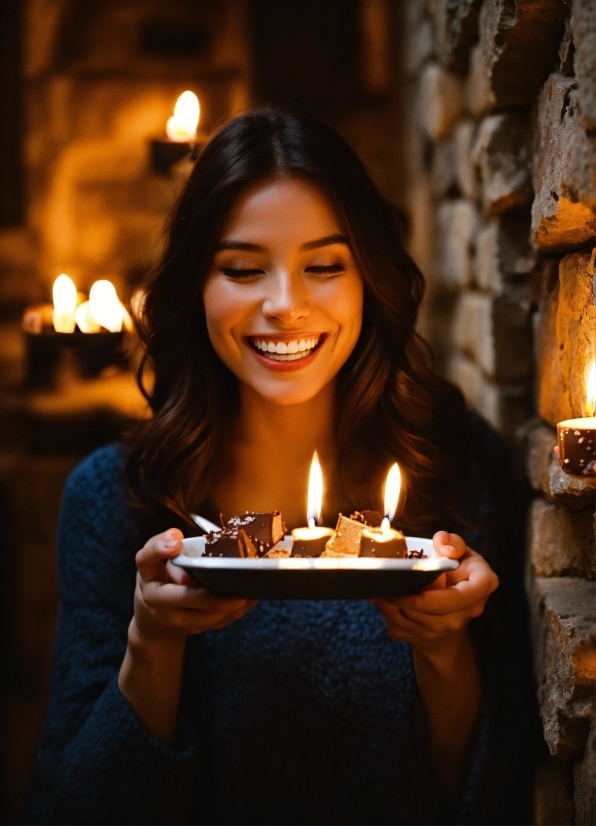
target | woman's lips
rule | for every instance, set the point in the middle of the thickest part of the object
(292, 352)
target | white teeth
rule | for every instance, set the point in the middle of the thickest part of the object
(271, 346)
(292, 346)
(286, 350)
(301, 345)
(281, 347)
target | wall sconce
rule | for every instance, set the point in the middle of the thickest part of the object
(181, 131)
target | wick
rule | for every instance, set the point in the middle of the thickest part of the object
(312, 522)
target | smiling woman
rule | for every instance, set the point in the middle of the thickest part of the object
(281, 321)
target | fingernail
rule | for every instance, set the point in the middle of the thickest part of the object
(171, 543)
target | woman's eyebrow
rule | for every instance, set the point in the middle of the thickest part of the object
(232, 244)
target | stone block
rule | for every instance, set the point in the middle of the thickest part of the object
(457, 223)
(561, 541)
(564, 170)
(553, 793)
(545, 473)
(502, 153)
(422, 235)
(565, 339)
(584, 777)
(519, 43)
(506, 407)
(564, 633)
(497, 334)
(566, 50)
(440, 101)
(478, 94)
(443, 170)
(503, 251)
(583, 25)
(456, 27)
(465, 170)
(418, 46)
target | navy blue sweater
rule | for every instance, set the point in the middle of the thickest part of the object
(301, 712)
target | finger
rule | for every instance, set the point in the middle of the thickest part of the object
(445, 622)
(178, 575)
(169, 595)
(450, 545)
(453, 598)
(556, 450)
(151, 557)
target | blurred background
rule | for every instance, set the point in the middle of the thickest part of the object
(478, 119)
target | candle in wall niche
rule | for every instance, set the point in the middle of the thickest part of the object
(311, 541)
(385, 542)
(182, 126)
(577, 437)
(104, 306)
(64, 295)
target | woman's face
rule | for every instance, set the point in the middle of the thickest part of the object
(283, 301)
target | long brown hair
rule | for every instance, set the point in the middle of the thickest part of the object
(391, 404)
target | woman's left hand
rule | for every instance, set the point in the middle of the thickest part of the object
(443, 609)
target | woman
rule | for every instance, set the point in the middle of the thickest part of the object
(281, 320)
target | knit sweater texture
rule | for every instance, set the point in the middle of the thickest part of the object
(301, 712)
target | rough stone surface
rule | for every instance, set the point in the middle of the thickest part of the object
(545, 473)
(564, 631)
(561, 541)
(418, 46)
(457, 222)
(502, 154)
(566, 50)
(443, 170)
(503, 251)
(583, 25)
(440, 101)
(519, 43)
(496, 334)
(564, 170)
(566, 326)
(584, 776)
(456, 26)
(478, 93)
(553, 793)
(506, 407)
(465, 170)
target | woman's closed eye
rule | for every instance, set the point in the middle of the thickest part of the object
(330, 269)
(234, 272)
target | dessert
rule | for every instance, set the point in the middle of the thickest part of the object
(264, 529)
(310, 541)
(345, 540)
(232, 542)
(383, 543)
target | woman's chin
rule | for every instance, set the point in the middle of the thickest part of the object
(287, 393)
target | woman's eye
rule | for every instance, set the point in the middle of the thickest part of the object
(231, 272)
(332, 269)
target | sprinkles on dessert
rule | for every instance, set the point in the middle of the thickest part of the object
(254, 535)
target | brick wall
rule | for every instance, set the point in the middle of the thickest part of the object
(502, 194)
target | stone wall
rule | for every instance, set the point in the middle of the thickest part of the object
(502, 194)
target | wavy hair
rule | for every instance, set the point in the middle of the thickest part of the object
(391, 405)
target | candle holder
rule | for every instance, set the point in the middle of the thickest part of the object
(165, 153)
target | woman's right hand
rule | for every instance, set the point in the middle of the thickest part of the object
(168, 603)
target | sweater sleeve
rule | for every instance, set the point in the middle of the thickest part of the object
(96, 763)
(501, 769)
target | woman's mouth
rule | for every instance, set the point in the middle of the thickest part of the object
(294, 349)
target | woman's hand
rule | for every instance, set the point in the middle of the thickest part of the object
(444, 608)
(167, 601)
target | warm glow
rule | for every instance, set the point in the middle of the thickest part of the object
(392, 491)
(105, 307)
(315, 492)
(591, 389)
(64, 294)
(85, 321)
(182, 126)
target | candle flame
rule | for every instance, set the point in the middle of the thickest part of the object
(85, 321)
(392, 491)
(104, 306)
(64, 294)
(182, 126)
(315, 492)
(591, 389)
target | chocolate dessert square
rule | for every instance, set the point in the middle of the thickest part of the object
(346, 538)
(264, 529)
(232, 542)
(370, 519)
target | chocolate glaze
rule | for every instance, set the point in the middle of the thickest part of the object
(229, 542)
(394, 548)
(264, 529)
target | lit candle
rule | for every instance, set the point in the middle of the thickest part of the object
(311, 541)
(577, 437)
(182, 126)
(104, 306)
(385, 541)
(64, 294)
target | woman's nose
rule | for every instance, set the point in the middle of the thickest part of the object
(287, 299)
